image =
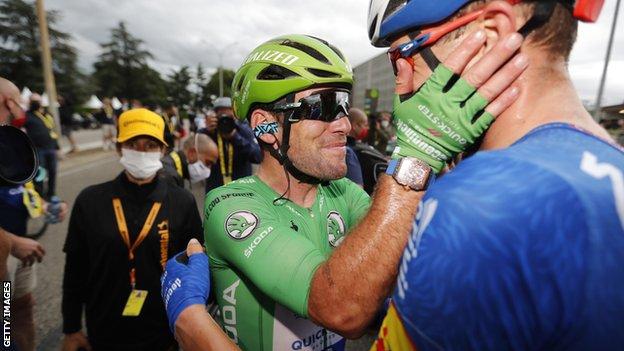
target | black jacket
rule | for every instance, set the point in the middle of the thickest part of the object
(39, 133)
(97, 266)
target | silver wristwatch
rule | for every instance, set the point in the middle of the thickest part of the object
(411, 172)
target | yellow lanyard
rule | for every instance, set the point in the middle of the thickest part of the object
(125, 235)
(177, 161)
(227, 176)
(49, 123)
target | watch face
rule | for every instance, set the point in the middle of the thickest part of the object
(413, 173)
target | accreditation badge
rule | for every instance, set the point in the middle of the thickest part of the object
(135, 303)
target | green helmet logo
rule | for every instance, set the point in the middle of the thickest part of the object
(241, 224)
(285, 65)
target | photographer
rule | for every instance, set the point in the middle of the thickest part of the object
(236, 144)
(18, 163)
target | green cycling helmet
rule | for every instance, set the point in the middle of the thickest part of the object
(285, 65)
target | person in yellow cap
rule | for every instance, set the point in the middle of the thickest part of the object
(120, 235)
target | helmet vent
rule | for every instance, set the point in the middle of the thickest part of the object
(275, 72)
(371, 30)
(307, 49)
(322, 73)
(393, 6)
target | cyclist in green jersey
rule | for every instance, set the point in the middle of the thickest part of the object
(285, 274)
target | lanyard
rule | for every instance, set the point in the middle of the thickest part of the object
(227, 176)
(123, 231)
(49, 123)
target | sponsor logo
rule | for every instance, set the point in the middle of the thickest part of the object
(321, 337)
(245, 181)
(424, 216)
(272, 55)
(228, 312)
(241, 224)
(256, 241)
(441, 125)
(336, 228)
(220, 198)
(418, 142)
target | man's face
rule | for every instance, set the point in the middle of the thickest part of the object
(208, 156)
(318, 148)
(9, 107)
(442, 48)
(143, 144)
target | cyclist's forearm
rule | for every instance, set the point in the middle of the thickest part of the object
(349, 288)
(197, 331)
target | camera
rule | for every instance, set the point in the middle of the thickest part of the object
(18, 160)
(225, 124)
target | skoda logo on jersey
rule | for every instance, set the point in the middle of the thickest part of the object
(335, 228)
(241, 224)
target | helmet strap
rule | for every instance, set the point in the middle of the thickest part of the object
(430, 58)
(543, 11)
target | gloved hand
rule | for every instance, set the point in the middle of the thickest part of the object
(185, 282)
(434, 125)
(447, 114)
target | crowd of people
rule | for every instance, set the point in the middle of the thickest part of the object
(485, 212)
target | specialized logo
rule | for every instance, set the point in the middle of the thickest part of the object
(336, 228)
(241, 224)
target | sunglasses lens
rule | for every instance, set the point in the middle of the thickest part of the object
(326, 106)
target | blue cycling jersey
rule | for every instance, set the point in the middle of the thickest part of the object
(517, 249)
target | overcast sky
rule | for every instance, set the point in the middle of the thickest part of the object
(186, 32)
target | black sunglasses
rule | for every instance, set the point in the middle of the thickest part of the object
(326, 106)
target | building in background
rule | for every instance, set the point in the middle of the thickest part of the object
(374, 74)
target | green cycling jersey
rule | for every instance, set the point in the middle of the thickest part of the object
(263, 255)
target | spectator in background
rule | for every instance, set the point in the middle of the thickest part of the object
(194, 163)
(357, 117)
(200, 119)
(385, 132)
(41, 129)
(236, 144)
(66, 111)
(106, 116)
(120, 235)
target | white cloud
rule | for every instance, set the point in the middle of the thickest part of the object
(187, 32)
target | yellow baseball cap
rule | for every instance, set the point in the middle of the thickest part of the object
(141, 121)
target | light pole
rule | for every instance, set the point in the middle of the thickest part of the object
(606, 64)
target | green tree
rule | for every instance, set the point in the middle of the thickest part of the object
(122, 69)
(178, 87)
(212, 88)
(20, 58)
(200, 99)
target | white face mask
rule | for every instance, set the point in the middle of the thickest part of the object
(141, 165)
(198, 171)
(385, 124)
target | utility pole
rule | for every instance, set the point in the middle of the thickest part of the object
(220, 54)
(46, 58)
(606, 64)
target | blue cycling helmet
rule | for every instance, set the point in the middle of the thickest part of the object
(387, 19)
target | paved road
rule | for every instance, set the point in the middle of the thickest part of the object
(78, 171)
